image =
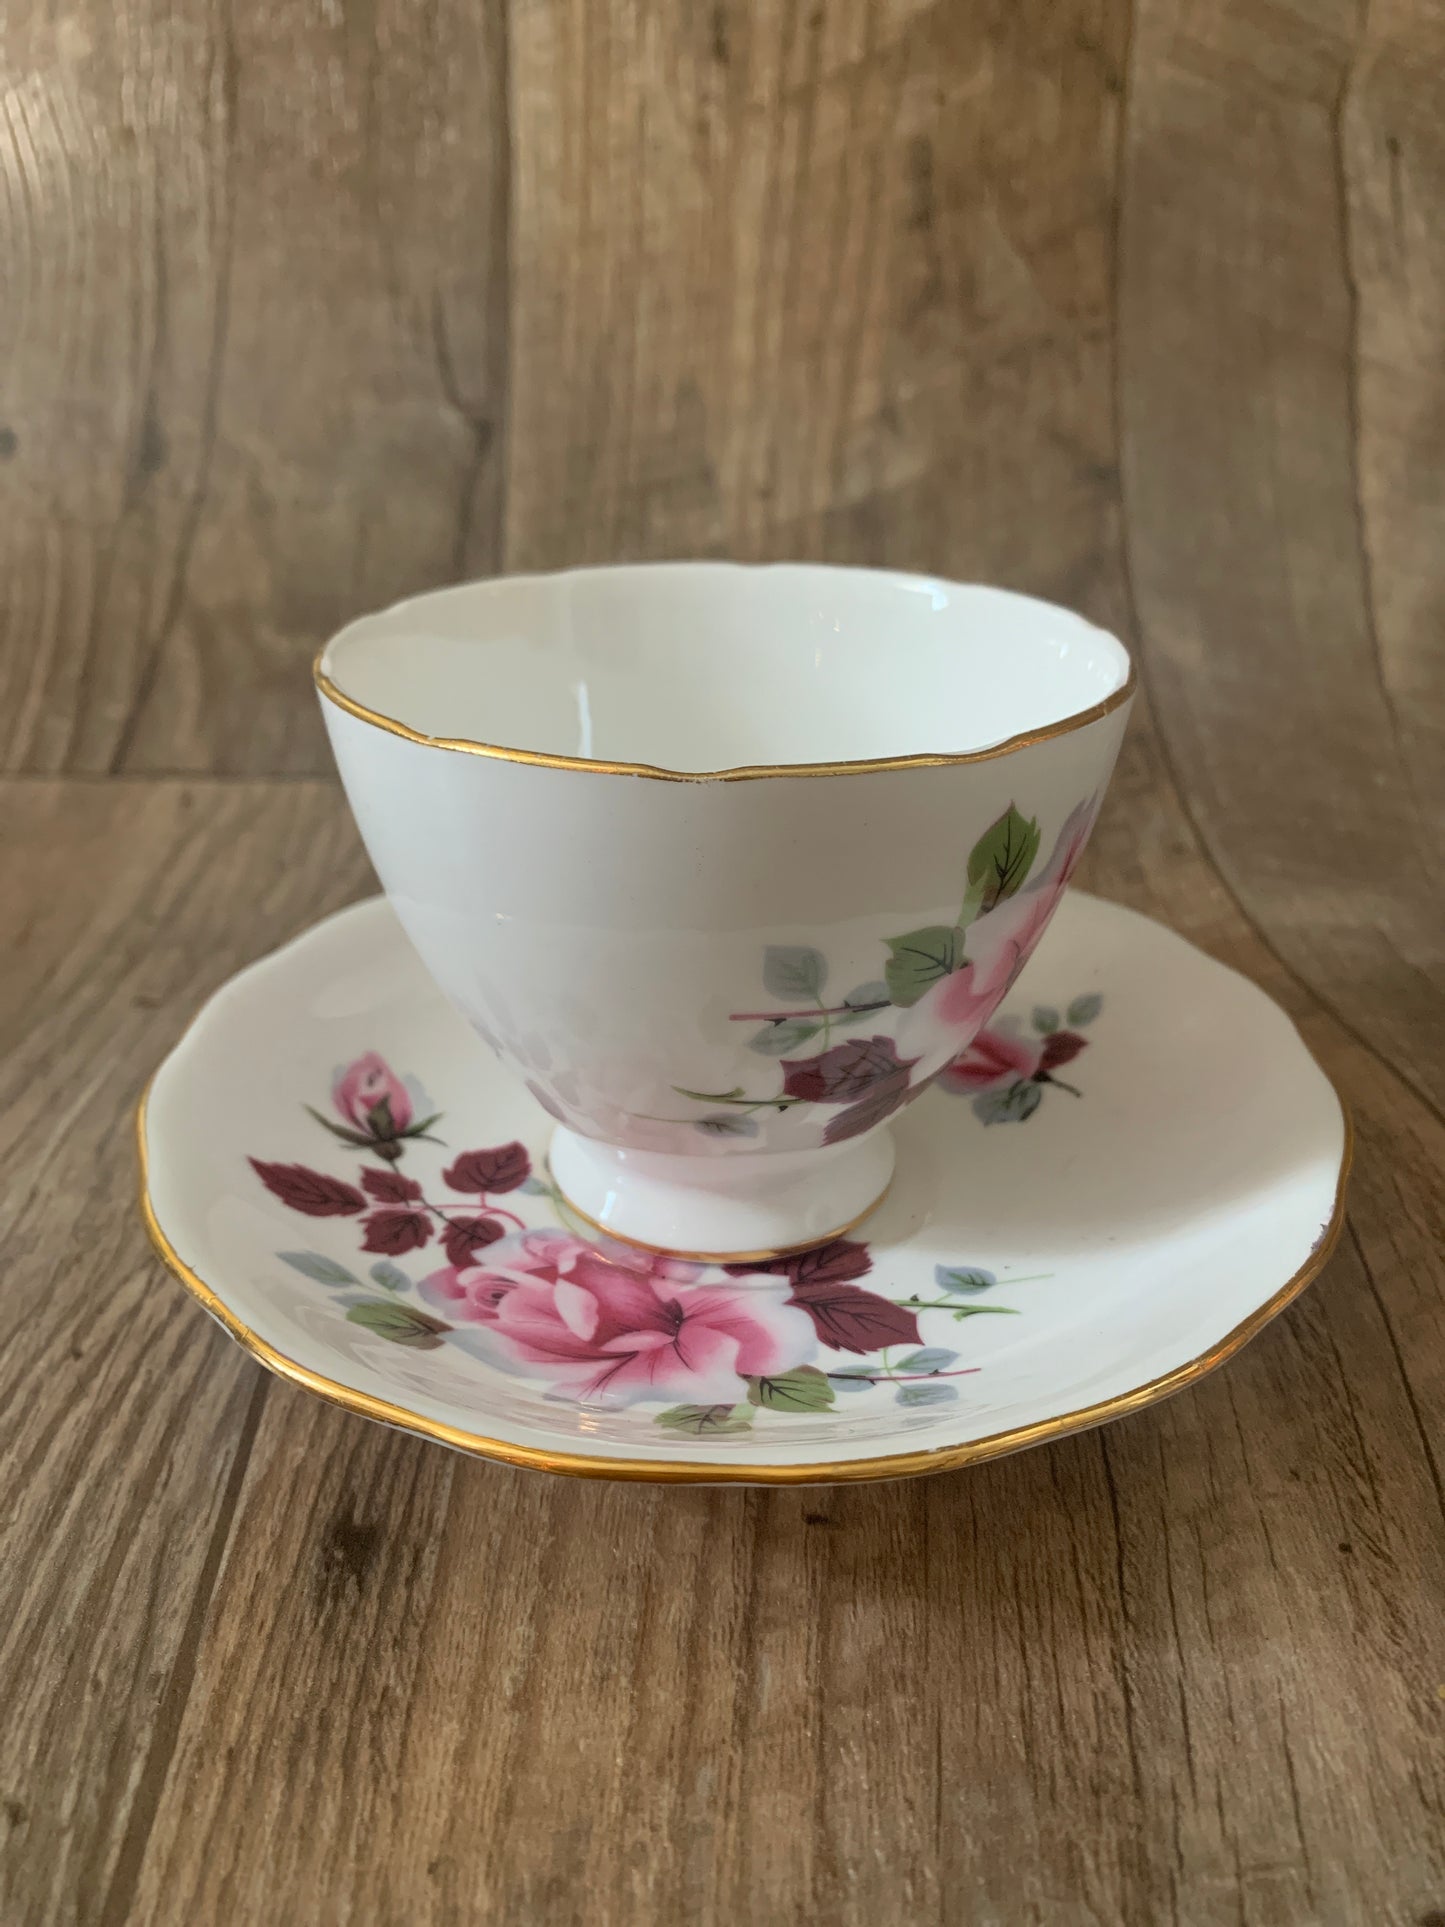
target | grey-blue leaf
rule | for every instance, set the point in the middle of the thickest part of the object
(936, 1392)
(847, 1381)
(932, 1358)
(874, 993)
(323, 1271)
(535, 1188)
(1045, 1020)
(728, 1124)
(1012, 1106)
(966, 1279)
(795, 972)
(776, 1040)
(389, 1276)
(1083, 1010)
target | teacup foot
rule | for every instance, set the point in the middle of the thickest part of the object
(723, 1210)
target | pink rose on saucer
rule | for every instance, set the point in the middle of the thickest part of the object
(618, 1327)
(372, 1098)
(998, 1058)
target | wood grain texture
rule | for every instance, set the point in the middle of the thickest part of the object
(124, 1430)
(790, 275)
(1257, 396)
(251, 359)
(867, 280)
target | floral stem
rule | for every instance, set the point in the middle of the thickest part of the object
(819, 1010)
(1058, 1082)
(739, 1102)
(956, 1304)
(492, 1210)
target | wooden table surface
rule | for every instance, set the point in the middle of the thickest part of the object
(308, 306)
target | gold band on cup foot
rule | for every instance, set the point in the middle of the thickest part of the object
(719, 1257)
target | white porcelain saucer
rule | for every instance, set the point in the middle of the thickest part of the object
(1134, 1169)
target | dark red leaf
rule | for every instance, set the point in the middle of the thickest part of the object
(464, 1236)
(500, 1169)
(396, 1232)
(1062, 1048)
(846, 1072)
(882, 1101)
(390, 1187)
(310, 1191)
(832, 1263)
(850, 1319)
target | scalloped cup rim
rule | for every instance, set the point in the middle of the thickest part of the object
(331, 683)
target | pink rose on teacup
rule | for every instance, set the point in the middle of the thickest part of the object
(997, 946)
(620, 1326)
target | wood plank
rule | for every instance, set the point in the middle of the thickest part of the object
(1260, 329)
(251, 359)
(1392, 153)
(815, 281)
(125, 1420)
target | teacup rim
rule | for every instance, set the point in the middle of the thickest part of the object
(330, 691)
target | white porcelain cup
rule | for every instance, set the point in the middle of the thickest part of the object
(726, 862)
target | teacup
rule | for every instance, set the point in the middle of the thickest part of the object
(726, 862)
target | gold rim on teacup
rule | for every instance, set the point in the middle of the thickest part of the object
(744, 773)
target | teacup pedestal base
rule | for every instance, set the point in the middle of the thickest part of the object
(724, 1209)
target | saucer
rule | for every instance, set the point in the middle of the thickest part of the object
(1127, 1174)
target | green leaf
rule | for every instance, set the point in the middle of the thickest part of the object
(323, 1271)
(1002, 857)
(1045, 1020)
(964, 1279)
(932, 1358)
(705, 1421)
(776, 1040)
(1083, 1010)
(937, 1393)
(402, 1324)
(422, 1125)
(1012, 1106)
(972, 902)
(795, 972)
(338, 1130)
(920, 960)
(389, 1276)
(804, 1389)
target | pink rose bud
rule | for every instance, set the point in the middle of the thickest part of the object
(372, 1098)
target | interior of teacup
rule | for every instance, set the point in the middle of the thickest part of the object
(710, 666)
